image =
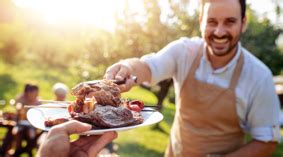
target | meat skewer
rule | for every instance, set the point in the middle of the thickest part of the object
(65, 107)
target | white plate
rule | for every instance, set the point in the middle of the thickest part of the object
(37, 116)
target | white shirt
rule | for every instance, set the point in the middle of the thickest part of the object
(257, 103)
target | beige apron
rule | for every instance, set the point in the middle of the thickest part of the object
(206, 120)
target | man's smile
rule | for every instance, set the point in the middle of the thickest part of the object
(220, 41)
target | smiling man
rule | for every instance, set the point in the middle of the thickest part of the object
(222, 91)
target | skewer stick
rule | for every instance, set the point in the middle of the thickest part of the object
(47, 106)
(44, 106)
(152, 106)
(55, 102)
(146, 110)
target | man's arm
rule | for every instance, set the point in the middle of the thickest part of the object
(139, 69)
(125, 69)
(255, 148)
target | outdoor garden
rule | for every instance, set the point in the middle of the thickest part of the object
(33, 51)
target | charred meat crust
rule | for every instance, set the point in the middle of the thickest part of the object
(99, 103)
(109, 117)
(105, 92)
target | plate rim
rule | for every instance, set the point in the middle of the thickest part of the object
(159, 115)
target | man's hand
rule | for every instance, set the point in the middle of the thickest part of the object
(125, 69)
(120, 71)
(57, 143)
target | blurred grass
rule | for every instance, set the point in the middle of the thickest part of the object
(13, 78)
(147, 141)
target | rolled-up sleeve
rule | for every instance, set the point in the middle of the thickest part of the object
(266, 134)
(263, 118)
(163, 64)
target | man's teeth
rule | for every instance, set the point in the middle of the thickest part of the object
(220, 41)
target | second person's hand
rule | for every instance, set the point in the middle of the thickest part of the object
(57, 142)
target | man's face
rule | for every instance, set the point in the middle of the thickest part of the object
(221, 25)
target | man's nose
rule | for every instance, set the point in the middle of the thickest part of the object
(220, 31)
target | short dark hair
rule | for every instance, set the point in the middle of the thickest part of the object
(30, 88)
(243, 8)
(242, 4)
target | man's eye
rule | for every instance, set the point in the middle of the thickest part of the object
(213, 23)
(230, 22)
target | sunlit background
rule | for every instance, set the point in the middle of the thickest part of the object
(96, 13)
(102, 13)
(70, 41)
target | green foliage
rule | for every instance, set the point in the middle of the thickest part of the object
(12, 41)
(78, 50)
(184, 25)
(260, 38)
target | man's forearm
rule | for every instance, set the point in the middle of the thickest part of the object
(139, 69)
(255, 148)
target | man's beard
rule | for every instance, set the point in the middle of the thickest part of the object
(231, 45)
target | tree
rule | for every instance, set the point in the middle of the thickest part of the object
(260, 38)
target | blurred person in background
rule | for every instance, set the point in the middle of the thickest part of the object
(24, 130)
(29, 95)
(60, 91)
(223, 92)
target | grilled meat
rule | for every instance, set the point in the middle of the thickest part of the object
(99, 103)
(54, 121)
(105, 92)
(109, 117)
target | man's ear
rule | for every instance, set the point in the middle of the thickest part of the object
(244, 27)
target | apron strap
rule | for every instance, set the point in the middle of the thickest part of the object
(196, 62)
(237, 72)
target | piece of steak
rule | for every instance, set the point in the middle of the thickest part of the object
(109, 117)
(105, 92)
(55, 121)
